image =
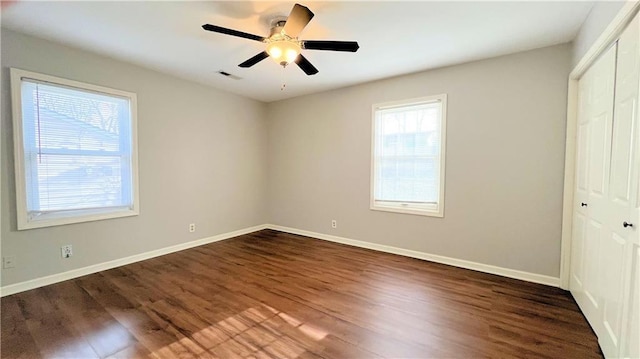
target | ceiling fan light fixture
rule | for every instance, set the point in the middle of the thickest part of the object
(283, 52)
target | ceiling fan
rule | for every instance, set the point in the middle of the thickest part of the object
(283, 44)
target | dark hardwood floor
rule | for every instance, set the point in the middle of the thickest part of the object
(277, 295)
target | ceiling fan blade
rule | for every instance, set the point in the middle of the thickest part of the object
(297, 20)
(349, 46)
(254, 60)
(224, 30)
(305, 65)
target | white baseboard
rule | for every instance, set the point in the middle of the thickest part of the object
(505, 272)
(75, 273)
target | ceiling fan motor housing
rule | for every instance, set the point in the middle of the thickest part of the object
(277, 25)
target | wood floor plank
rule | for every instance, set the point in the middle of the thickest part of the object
(270, 294)
(50, 328)
(134, 351)
(103, 332)
(16, 340)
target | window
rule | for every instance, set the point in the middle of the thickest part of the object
(408, 156)
(75, 151)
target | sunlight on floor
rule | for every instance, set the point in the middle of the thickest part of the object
(256, 332)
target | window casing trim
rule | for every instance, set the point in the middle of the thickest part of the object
(423, 209)
(55, 218)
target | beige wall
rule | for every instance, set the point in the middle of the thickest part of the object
(599, 18)
(504, 169)
(225, 162)
(202, 159)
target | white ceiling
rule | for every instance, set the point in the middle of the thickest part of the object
(395, 37)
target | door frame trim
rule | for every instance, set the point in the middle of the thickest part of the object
(602, 43)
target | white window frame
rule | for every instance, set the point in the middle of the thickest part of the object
(432, 210)
(66, 217)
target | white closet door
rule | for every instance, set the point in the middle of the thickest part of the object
(617, 247)
(592, 185)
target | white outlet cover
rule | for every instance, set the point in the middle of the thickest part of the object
(66, 251)
(8, 262)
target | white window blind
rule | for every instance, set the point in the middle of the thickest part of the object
(407, 155)
(77, 151)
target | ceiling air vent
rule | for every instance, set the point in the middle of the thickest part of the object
(226, 74)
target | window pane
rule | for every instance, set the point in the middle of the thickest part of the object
(407, 153)
(410, 180)
(77, 182)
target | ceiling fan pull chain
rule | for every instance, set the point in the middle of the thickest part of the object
(282, 79)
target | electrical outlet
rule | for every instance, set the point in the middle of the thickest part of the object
(8, 262)
(192, 227)
(334, 223)
(67, 251)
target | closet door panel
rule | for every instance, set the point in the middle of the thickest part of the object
(631, 340)
(615, 261)
(617, 249)
(577, 251)
(591, 283)
(599, 154)
(582, 156)
(622, 150)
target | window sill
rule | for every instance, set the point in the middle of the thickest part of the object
(59, 219)
(407, 210)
